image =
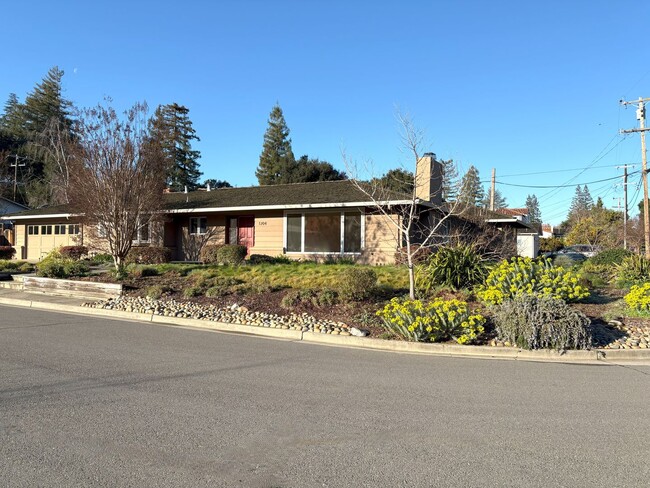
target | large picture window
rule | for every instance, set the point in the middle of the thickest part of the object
(324, 233)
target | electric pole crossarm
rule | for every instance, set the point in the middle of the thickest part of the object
(630, 131)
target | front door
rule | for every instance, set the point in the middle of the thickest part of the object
(246, 232)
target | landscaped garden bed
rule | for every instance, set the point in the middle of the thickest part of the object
(578, 306)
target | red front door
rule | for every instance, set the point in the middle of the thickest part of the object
(246, 232)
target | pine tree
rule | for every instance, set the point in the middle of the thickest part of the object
(172, 129)
(45, 109)
(499, 200)
(398, 181)
(534, 214)
(587, 201)
(471, 191)
(277, 160)
(449, 180)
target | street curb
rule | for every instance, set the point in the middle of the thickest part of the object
(596, 356)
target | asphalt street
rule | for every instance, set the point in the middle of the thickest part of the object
(94, 402)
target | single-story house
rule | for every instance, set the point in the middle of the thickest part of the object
(301, 221)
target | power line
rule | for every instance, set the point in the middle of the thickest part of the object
(562, 186)
(559, 171)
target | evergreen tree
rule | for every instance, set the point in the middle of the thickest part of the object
(499, 200)
(216, 184)
(45, 109)
(599, 204)
(534, 214)
(307, 170)
(471, 190)
(449, 180)
(172, 129)
(587, 200)
(277, 160)
(398, 181)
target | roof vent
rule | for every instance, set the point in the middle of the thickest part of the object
(208, 187)
(185, 188)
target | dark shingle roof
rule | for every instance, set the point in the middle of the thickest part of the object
(322, 192)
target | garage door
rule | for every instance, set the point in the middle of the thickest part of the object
(41, 239)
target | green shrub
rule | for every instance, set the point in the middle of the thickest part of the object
(156, 291)
(209, 253)
(26, 268)
(639, 297)
(148, 255)
(519, 276)
(539, 322)
(599, 275)
(260, 259)
(550, 244)
(438, 320)
(192, 291)
(7, 252)
(568, 261)
(453, 267)
(102, 258)
(357, 283)
(6, 265)
(55, 266)
(147, 271)
(231, 254)
(632, 270)
(610, 256)
(73, 252)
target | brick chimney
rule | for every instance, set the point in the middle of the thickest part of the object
(428, 179)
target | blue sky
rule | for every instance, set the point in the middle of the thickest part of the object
(523, 87)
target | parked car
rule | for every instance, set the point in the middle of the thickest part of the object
(586, 249)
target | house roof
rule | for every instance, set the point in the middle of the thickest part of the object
(296, 195)
(512, 211)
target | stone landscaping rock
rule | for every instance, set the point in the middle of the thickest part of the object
(232, 315)
(358, 332)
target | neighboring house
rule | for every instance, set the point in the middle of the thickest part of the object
(301, 221)
(6, 229)
(548, 231)
(527, 233)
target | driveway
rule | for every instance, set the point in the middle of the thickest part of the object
(94, 402)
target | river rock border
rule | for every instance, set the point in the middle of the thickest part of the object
(234, 314)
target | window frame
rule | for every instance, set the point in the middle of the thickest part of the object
(198, 226)
(304, 212)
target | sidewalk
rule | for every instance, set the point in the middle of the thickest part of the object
(56, 303)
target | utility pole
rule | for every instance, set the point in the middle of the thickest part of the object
(640, 116)
(15, 166)
(492, 188)
(625, 215)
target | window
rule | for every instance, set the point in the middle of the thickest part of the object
(198, 225)
(142, 234)
(59, 229)
(101, 231)
(324, 233)
(32, 230)
(294, 233)
(73, 229)
(46, 230)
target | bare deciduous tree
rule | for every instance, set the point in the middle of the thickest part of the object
(116, 176)
(58, 146)
(193, 244)
(421, 219)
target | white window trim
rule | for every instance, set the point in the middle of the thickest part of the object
(198, 226)
(137, 239)
(302, 214)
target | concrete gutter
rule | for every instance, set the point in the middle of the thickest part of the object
(596, 356)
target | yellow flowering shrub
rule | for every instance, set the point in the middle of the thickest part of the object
(639, 297)
(435, 321)
(525, 276)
